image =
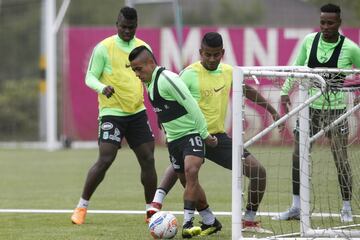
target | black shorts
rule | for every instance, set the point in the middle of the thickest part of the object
(135, 128)
(321, 118)
(222, 153)
(180, 148)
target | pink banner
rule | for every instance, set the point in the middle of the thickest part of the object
(243, 46)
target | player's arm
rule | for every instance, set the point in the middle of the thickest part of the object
(176, 88)
(289, 82)
(256, 97)
(95, 69)
(356, 62)
(190, 78)
(356, 56)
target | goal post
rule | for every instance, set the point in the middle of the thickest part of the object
(305, 78)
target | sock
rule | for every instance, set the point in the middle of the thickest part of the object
(250, 215)
(296, 201)
(159, 195)
(83, 203)
(188, 215)
(346, 206)
(147, 206)
(207, 215)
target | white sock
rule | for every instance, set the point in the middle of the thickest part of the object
(159, 196)
(188, 215)
(207, 215)
(346, 206)
(83, 203)
(250, 215)
(296, 201)
(147, 206)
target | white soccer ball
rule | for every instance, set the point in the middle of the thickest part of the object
(163, 225)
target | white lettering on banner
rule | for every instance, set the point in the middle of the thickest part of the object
(229, 56)
(299, 34)
(172, 56)
(254, 49)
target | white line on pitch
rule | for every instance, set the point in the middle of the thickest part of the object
(143, 212)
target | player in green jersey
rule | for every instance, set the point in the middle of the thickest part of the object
(121, 110)
(325, 49)
(210, 81)
(186, 134)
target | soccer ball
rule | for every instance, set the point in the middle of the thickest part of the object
(163, 225)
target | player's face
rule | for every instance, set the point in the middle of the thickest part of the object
(126, 28)
(143, 67)
(329, 26)
(211, 57)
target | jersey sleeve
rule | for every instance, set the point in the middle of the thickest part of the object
(190, 78)
(177, 89)
(355, 56)
(95, 69)
(299, 61)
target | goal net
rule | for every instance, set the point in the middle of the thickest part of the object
(329, 170)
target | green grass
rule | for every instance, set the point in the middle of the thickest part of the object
(34, 179)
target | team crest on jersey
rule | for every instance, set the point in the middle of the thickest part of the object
(107, 126)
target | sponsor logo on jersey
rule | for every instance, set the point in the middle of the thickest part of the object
(116, 135)
(173, 162)
(218, 89)
(106, 126)
(105, 135)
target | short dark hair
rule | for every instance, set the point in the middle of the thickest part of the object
(128, 13)
(212, 39)
(136, 52)
(331, 8)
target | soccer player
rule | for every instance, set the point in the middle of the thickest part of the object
(210, 81)
(325, 49)
(121, 110)
(186, 134)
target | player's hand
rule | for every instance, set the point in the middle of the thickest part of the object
(356, 100)
(285, 102)
(108, 91)
(211, 141)
(276, 117)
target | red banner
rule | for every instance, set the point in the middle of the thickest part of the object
(243, 46)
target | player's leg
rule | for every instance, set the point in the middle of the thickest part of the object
(256, 173)
(257, 184)
(108, 148)
(315, 124)
(107, 155)
(167, 182)
(339, 142)
(141, 141)
(209, 224)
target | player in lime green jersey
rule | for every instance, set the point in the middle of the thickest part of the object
(186, 133)
(121, 110)
(210, 81)
(325, 49)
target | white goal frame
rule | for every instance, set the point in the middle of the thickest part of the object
(239, 145)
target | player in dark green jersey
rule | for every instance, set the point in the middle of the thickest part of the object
(186, 134)
(325, 49)
(121, 110)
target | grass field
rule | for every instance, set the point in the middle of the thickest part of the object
(35, 179)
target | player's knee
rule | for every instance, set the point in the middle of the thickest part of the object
(104, 162)
(147, 162)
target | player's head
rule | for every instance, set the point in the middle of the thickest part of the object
(142, 62)
(126, 23)
(330, 21)
(211, 50)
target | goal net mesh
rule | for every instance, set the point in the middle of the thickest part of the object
(275, 149)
